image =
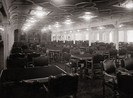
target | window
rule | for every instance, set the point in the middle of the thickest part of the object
(97, 37)
(130, 36)
(121, 36)
(104, 37)
(86, 36)
(111, 36)
(78, 36)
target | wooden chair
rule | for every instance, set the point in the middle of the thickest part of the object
(127, 63)
(30, 57)
(113, 53)
(40, 61)
(125, 85)
(63, 85)
(122, 53)
(16, 50)
(109, 76)
(17, 55)
(72, 65)
(97, 68)
(16, 63)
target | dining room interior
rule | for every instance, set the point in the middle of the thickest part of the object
(66, 48)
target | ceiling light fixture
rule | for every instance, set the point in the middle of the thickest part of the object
(87, 16)
(43, 29)
(31, 20)
(57, 25)
(101, 27)
(78, 30)
(87, 29)
(129, 4)
(121, 25)
(38, 13)
(68, 21)
(27, 26)
(39, 8)
(49, 27)
(88, 13)
(24, 28)
(70, 31)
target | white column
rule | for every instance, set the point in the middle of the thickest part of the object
(90, 36)
(125, 35)
(100, 36)
(116, 35)
(83, 35)
(94, 35)
(107, 36)
(6, 43)
(63, 37)
(56, 38)
(74, 39)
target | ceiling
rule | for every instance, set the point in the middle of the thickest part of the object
(18, 11)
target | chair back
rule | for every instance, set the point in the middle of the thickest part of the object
(127, 63)
(97, 58)
(40, 61)
(16, 50)
(122, 52)
(17, 55)
(66, 56)
(30, 56)
(109, 66)
(125, 83)
(63, 85)
(16, 63)
(113, 53)
(66, 50)
(24, 47)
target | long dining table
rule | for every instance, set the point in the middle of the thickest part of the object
(30, 74)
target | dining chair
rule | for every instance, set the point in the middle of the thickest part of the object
(63, 85)
(109, 76)
(125, 85)
(97, 62)
(40, 61)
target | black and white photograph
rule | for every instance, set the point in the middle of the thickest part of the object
(66, 48)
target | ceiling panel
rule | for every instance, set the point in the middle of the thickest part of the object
(59, 10)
